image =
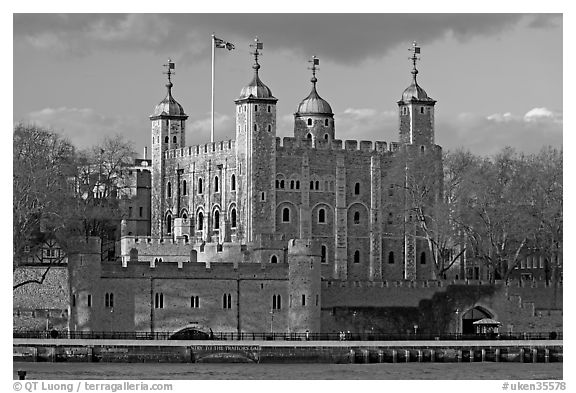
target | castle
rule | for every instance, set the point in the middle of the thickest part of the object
(261, 234)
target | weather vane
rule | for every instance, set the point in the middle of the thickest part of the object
(315, 62)
(170, 66)
(415, 51)
(257, 45)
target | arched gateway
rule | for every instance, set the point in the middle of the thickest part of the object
(474, 314)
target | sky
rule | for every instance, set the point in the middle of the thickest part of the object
(497, 78)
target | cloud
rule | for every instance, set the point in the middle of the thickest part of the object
(488, 134)
(187, 35)
(85, 127)
(198, 129)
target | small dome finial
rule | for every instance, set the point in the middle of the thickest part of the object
(257, 45)
(415, 51)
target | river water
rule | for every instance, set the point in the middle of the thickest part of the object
(381, 371)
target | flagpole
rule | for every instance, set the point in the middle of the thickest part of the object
(212, 120)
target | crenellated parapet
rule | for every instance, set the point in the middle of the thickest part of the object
(290, 143)
(196, 270)
(203, 150)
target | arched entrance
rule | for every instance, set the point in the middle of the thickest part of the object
(190, 333)
(471, 316)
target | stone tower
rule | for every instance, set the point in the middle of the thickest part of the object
(314, 118)
(304, 286)
(255, 155)
(416, 112)
(168, 132)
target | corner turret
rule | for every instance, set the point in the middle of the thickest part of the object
(416, 111)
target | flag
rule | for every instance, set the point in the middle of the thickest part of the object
(218, 43)
(171, 65)
(316, 61)
(259, 45)
(416, 49)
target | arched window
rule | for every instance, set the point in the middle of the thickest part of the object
(309, 122)
(216, 184)
(74, 300)
(356, 218)
(311, 184)
(169, 190)
(326, 136)
(159, 300)
(391, 257)
(303, 300)
(233, 218)
(274, 259)
(291, 184)
(200, 221)
(309, 136)
(324, 251)
(357, 256)
(278, 302)
(184, 187)
(277, 184)
(269, 128)
(174, 139)
(111, 300)
(216, 219)
(357, 189)
(166, 139)
(269, 108)
(326, 125)
(286, 215)
(226, 301)
(422, 149)
(273, 302)
(233, 183)
(168, 224)
(200, 188)
(255, 127)
(282, 184)
(321, 216)
(255, 108)
(107, 300)
(423, 258)
(297, 184)
(421, 109)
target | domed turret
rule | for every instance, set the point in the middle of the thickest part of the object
(314, 104)
(168, 106)
(416, 111)
(256, 88)
(314, 118)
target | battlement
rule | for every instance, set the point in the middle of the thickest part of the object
(201, 150)
(196, 270)
(288, 143)
(433, 284)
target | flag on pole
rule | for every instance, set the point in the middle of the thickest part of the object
(316, 61)
(171, 65)
(416, 49)
(259, 45)
(218, 43)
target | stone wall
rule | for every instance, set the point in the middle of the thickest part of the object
(36, 306)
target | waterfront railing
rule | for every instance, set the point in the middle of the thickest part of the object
(261, 336)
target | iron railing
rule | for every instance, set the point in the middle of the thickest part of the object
(234, 336)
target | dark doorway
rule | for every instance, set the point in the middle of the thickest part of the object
(190, 334)
(472, 316)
